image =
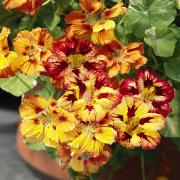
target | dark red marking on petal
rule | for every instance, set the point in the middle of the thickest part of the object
(38, 110)
(145, 120)
(131, 111)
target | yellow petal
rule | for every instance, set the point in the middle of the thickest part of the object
(106, 135)
(3, 62)
(106, 25)
(152, 121)
(77, 164)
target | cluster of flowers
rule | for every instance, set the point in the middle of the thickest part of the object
(95, 110)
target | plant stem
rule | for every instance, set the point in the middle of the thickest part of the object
(46, 2)
(154, 58)
(142, 166)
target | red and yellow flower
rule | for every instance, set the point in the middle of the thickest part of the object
(84, 163)
(43, 120)
(135, 124)
(73, 57)
(9, 62)
(87, 164)
(25, 6)
(120, 59)
(151, 89)
(35, 47)
(95, 21)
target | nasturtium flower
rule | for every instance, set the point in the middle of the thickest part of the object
(151, 89)
(9, 62)
(25, 6)
(30, 111)
(87, 164)
(84, 163)
(92, 104)
(72, 57)
(136, 126)
(35, 47)
(43, 120)
(95, 21)
(120, 59)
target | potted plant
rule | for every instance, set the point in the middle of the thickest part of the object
(99, 82)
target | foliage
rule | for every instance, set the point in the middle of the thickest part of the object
(19, 84)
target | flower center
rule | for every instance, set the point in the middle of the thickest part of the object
(148, 93)
(76, 60)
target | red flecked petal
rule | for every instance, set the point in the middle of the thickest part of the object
(64, 45)
(85, 47)
(128, 87)
(163, 109)
(55, 66)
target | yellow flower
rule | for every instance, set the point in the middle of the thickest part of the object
(103, 32)
(30, 111)
(63, 118)
(87, 164)
(43, 120)
(35, 46)
(92, 138)
(136, 126)
(9, 62)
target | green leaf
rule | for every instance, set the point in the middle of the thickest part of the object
(172, 69)
(53, 154)
(161, 40)
(19, 84)
(37, 146)
(171, 66)
(123, 36)
(64, 5)
(46, 88)
(144, 14)
(49, 16)
(57, 32)
(175, 30)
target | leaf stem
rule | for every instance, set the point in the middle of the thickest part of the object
(46, 2)
(142, 166)
(154, 58)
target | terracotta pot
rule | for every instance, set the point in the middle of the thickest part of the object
(40, 161)
(165, 163)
